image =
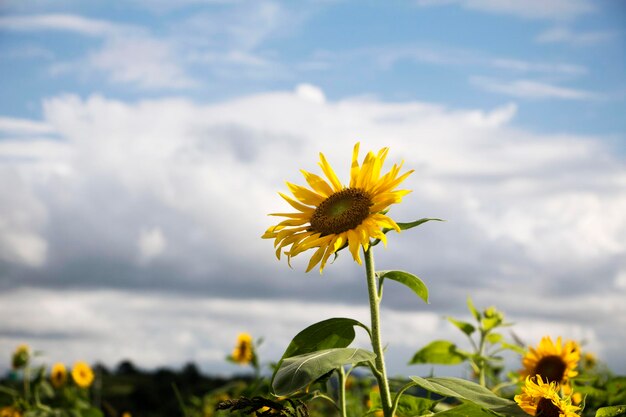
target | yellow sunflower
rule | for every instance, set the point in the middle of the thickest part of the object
(539, 398)
(58, 375)
(554, 362)
(82, 374)
(243, 352)
(10, 412)
(331, 215)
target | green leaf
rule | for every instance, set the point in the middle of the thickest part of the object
(408, 405)
(408, 279)
(613, 411)
(336, 332)
(406, 226)
(466, 410)
(494, 338)
(490, 323)
(439, 352)
(465, 327)
(299, 371)
(462, 389)
(514, 348)
(472, 309)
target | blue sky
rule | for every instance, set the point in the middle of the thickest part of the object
(142, 144)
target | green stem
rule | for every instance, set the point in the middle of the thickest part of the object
(342, 391)
(481, 365)
(374, 300)
(396, 400)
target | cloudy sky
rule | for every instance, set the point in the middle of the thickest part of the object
(143, 143)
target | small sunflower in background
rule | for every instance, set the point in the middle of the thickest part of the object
(331, 216)
(82, 374)
(58, 375)
(554, 362)
(243, 353)
(541, 398)
(10, 412)
(20, 357)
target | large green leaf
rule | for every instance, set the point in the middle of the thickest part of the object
(299, 371)
(463, 390)
(439, 352)
(337, 332)
(613, 411)
(408, 279)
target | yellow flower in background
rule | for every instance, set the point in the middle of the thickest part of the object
(58, 375)
(21, 356)
(82, 374)
(9, 412)
(243, 352)
(539, 398)
(554, 362)
(330, 215)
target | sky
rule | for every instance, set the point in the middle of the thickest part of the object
(143, 143)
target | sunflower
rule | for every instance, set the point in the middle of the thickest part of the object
(539, 398)
(82, 374)
(243, 353)
(58, 375)
(21, 356)
(331, 216)
(10, 412)
(554, 362)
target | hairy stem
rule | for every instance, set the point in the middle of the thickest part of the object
(342, 391)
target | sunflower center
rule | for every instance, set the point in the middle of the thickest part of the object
(546, 408)
(551, 368)
(342, 211)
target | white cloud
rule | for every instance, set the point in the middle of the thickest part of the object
(532, 89)
(579, 38)
(13, 125)
(311, 93)
(129, 54)
(145, 62)
(63, 22)
(546, 211)
(541, 67)
(151, 243)
(530, 9)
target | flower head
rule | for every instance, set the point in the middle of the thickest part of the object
(58, 375)
(539, 398)
(21, 356)
(10, 412)
(243, 353)
(554, 362)
(82, 374)
(331, 216)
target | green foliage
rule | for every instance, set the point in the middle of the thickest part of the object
(297, 372)
(439, 352)
(408, 405)
(331, 333)
(406, 278)
(483, 338)
(463, 390)
(613, 411)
